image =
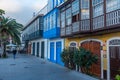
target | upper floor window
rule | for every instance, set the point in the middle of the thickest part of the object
(84, 9)
(54, 19)
(75, 11)
(97, 7)
(112, 5)
(50, 21)
(45, 25)
(62, 20)
(68, 16)
(75, 7)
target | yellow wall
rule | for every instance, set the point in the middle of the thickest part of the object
(103, 38)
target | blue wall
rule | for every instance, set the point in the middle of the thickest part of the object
(51, 28)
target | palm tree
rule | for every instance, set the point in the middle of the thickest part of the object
(9, 28)
(2, 12)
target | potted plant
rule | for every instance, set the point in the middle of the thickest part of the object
(67, 57)
(84, 59)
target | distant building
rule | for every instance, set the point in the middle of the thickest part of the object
(32, 35)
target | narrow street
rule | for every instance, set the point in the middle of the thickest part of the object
(28, 67)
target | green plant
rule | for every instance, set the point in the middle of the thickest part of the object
(9, 28)
(117, 77)
(84, 59)
(67, 57)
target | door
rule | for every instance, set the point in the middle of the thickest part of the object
(94, 47)
(58, 53)
(52, 51)
(37, 49)
(114, 61)
(29, 48)
(42, 49)
(33, 48)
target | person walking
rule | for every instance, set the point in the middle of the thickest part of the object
(14, 53)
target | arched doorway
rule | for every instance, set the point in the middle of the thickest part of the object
(72, 48)
(95, 47)
(113, 57)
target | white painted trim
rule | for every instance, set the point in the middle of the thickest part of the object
(55, 41)
(108, 56)
(45, 48)
(101, 43)
(31, 47)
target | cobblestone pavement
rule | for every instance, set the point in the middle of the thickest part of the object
(28, 67)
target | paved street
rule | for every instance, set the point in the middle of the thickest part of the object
(28, 67)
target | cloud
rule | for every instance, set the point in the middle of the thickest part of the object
(21, 10)
(11, 6)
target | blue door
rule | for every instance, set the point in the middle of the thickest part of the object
(33, 49)
(37, 49)
(52, 51)
(58, 53)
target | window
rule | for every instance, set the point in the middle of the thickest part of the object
(112, 5)
(51, 21)
(75, 11)
(68, 16)
(54, 19)
(45, 25)
(84, 9)
(62, 19)
(48, 22)
(114, 42)
(73, 46)
(75, 7)
(97, 7)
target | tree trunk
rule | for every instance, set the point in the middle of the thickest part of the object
(4, 50)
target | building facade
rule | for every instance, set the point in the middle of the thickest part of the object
(33, 35)
(52, 32)
(94, 25)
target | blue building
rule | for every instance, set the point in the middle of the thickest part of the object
(52, 32)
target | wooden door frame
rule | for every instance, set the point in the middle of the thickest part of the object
(101, 44)
(108, 56)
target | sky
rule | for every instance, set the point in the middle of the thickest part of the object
(21, 10)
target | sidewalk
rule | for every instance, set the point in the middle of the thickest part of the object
(28, 67)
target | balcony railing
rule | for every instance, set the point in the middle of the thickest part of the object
(98, 22)
(36, 34)
(113, 18)
(68, 30)
(62, 32)
(110, 20)
(75, 27)
(85, 25)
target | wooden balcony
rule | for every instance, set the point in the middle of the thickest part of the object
(75, 27)
(62, 33)
(105, 23)
(113, 18)
(85, 25)
(98, 22)
(69, 30)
